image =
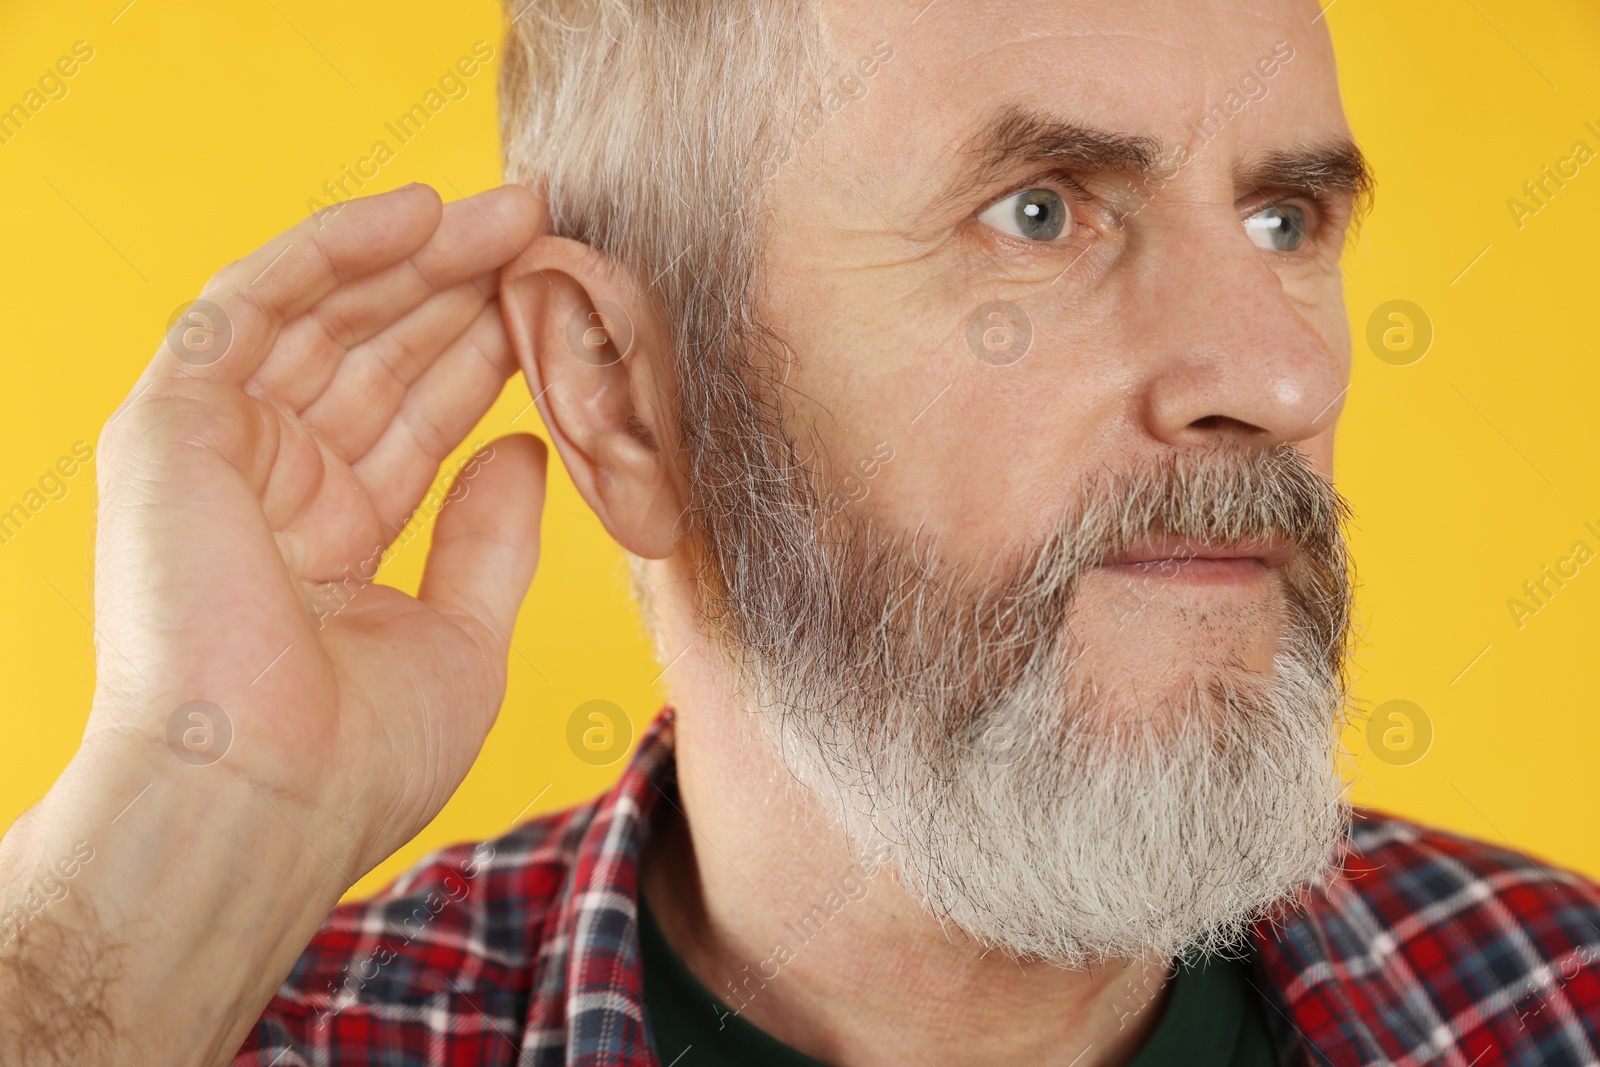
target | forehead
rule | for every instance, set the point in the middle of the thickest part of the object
(1157, 68)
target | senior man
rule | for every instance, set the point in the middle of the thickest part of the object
(961, 380)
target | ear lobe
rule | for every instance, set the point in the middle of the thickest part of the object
(599, 364)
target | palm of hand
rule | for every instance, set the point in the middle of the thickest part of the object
(246, 497)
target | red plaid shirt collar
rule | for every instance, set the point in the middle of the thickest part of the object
(1430, 949)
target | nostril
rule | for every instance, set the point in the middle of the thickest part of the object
(1212, 423)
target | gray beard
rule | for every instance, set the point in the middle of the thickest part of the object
(954, 728)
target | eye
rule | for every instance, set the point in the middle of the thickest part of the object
(1037, 214)
(1277, 228)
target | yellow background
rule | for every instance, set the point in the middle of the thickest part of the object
(198, 130)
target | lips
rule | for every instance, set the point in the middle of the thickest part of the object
(1269, 552)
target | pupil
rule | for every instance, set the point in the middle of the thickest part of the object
(1289, 225)
(1041, 214)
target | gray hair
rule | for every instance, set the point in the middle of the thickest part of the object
(650, 126)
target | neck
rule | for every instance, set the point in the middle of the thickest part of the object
(772, 910)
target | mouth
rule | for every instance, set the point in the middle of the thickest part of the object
(1201, 561)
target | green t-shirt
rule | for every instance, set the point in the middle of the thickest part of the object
(1212, 1019)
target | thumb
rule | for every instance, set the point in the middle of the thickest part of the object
(486, 543)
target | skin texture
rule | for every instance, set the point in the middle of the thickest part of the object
(1170, 330)
(1159, 326)
(370, 340)
(366, 343)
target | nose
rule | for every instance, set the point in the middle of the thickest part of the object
(1230, 354)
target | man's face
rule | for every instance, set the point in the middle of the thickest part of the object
(1047, 587)
(1107, 178)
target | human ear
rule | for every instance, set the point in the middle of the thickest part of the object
(599, 360)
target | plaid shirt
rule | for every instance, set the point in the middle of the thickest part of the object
(1430, 949)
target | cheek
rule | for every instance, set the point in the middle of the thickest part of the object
(1319, 298)
(986, 455)
(987, 451)
(984, 467)
(869, 353)
(1337, 332)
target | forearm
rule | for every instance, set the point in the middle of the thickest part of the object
(225, 500)
(168, 943)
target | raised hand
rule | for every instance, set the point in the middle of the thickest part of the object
(257, 465)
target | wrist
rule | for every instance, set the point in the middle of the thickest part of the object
(191, 890)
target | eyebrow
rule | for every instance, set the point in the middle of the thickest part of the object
(1019, 135)
(1339, 167)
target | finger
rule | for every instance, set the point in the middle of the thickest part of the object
(486, 544)
(321, 515)
(283, 278)
(475, 236)
(372, 381)
(435, 417)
